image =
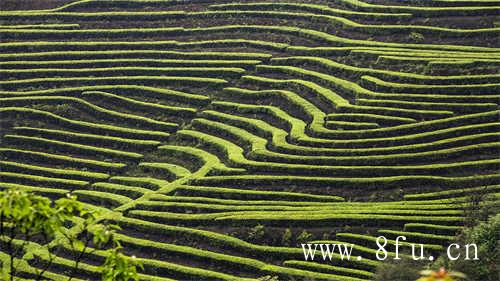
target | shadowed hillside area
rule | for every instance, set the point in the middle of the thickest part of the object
(221, 135)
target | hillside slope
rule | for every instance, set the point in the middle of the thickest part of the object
(210, 129)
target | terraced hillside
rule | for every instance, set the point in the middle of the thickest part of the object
(213, 130)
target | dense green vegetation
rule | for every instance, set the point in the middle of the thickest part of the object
(220, 136)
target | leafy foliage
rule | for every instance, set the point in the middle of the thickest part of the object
(26, 218)
(403, 269)
(287, 237)
(486, 236)
(119, 267)
(256, 233)
(304, 237)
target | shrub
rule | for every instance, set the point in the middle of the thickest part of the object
(397, 270)
(486, 236)
(304, 237)
(287, 237)
(25, 216)
(256, 233)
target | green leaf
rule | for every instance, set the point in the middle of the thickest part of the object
(78, 245)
